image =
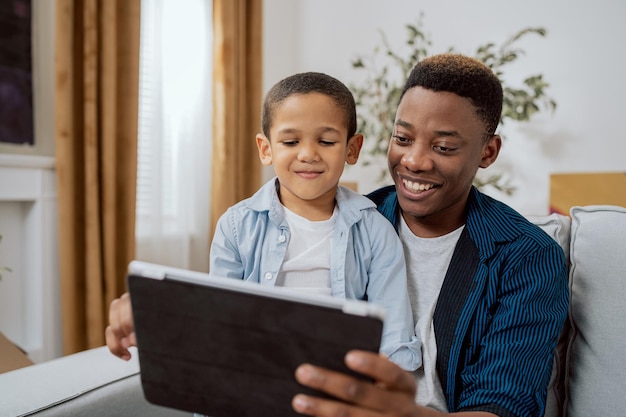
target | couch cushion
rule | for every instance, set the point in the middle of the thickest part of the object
(596, 362)
(122, 397)
(558, 227)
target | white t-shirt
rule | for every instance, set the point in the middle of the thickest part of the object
(427, 263)
(307, 261)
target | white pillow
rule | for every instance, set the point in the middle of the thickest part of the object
(597, 357)
(557, 226)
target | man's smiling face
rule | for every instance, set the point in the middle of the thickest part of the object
(437, 145)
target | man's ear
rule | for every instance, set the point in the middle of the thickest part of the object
(354, 148)
(491, 150)
(265, 150)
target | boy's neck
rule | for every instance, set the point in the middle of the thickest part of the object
(312, 211)
(319, 209)
(313, 215)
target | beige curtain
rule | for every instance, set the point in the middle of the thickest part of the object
(97, 70)
(237, 72)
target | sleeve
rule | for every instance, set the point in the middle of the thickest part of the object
(387, 286)
(224, 256)
(510, 373)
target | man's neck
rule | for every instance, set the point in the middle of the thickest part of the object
(434, 226)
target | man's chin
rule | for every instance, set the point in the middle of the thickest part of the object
(413, 208)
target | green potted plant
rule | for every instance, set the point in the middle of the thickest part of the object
(385, 70)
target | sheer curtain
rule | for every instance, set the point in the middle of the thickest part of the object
(174, 145)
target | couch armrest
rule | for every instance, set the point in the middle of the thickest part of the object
(93, 382)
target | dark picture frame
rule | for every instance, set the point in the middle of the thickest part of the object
(16, 79)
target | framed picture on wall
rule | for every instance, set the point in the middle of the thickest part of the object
(16, 85)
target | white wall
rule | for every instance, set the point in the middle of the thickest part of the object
(30, 311)
(581, 58)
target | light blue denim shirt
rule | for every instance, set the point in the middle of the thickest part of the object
(366, 260)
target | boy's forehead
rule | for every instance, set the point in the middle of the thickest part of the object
(307, 104)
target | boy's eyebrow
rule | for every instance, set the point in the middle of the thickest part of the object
(288, 130)
(329, 129)
(321, 130)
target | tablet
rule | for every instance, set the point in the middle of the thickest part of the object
(229, 348)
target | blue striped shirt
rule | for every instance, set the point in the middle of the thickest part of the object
(500, 311)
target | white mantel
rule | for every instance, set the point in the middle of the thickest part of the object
(29, 295)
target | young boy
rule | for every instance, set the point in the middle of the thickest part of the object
(302, 230)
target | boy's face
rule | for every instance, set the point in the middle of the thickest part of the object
(436, 148)
(308, 147)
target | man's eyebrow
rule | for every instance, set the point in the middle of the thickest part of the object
(407, 125)
(452, 133)
(403, 123)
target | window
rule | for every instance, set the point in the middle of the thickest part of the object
(174, 145)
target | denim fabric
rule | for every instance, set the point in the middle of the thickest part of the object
(366, 259)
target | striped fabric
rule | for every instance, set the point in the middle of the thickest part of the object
(500, 310)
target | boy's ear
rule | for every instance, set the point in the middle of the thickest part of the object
(491, 149)
(354, 148)
(265, 150)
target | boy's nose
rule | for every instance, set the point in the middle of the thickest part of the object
(308, 153)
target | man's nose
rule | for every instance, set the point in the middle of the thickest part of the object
(418, 158)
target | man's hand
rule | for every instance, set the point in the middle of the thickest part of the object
(392, 395)
(120, 333)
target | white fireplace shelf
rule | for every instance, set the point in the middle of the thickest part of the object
(29, 295)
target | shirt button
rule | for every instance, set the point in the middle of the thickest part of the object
(268, 275)
(282, 238)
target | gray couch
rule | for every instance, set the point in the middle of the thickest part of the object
(93, 383)
(588, 377)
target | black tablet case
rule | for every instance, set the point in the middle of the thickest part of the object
(227, 354)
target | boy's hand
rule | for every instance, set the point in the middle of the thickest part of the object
(120, 333)
(392, 394)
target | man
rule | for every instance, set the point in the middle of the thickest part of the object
(488, 289)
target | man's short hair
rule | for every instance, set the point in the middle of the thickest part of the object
(464, 76)
(305, 83)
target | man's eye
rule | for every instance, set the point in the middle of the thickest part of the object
(289, 142)
(401, 140)
(327, 142)
(443, 149)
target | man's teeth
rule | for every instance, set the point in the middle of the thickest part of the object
(416, 186)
